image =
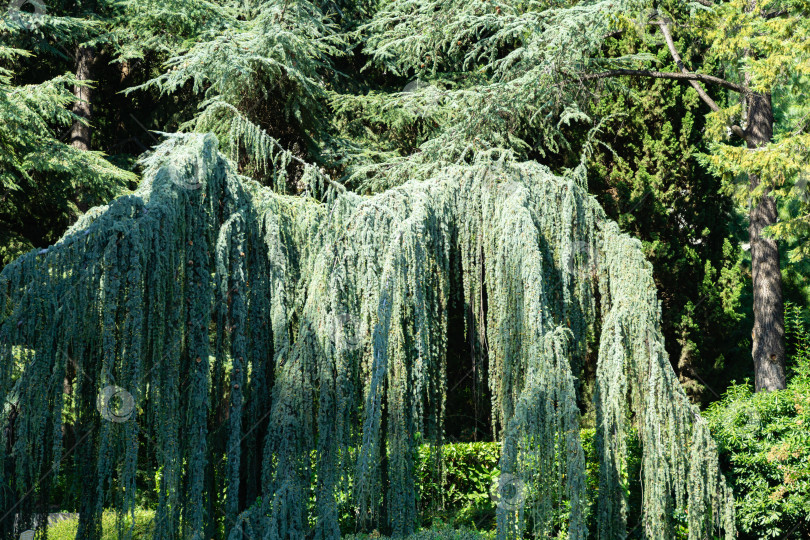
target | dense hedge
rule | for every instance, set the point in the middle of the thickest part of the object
(462, 494)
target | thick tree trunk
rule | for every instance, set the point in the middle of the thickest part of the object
(769, 322)
(80, 132)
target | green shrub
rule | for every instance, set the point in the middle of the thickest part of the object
(461, 497)
(764, 440)
(144, 524)
(455, 506)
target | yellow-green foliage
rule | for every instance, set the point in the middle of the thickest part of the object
(767, 40)
(144, 525)
(765, 47)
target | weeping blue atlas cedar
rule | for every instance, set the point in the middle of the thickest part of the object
(266, 340)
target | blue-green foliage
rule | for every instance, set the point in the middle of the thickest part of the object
(268, 340)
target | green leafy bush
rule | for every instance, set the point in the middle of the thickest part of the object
(764, 440)
(457, 504)
(461, 495)
(144, 525)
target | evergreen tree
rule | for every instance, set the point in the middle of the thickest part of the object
(204, 296)
(515, 70)
(649, 178)
(40, 174)
(274, 361)
(760, 48)
(261, 76)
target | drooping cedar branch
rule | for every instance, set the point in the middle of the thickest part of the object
(319, 331)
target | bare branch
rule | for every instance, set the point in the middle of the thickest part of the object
(694, 82)
(677, 57)
(774, 14)
(688, 76)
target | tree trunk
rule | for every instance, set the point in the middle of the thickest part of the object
(768, 335)
(80, 132)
